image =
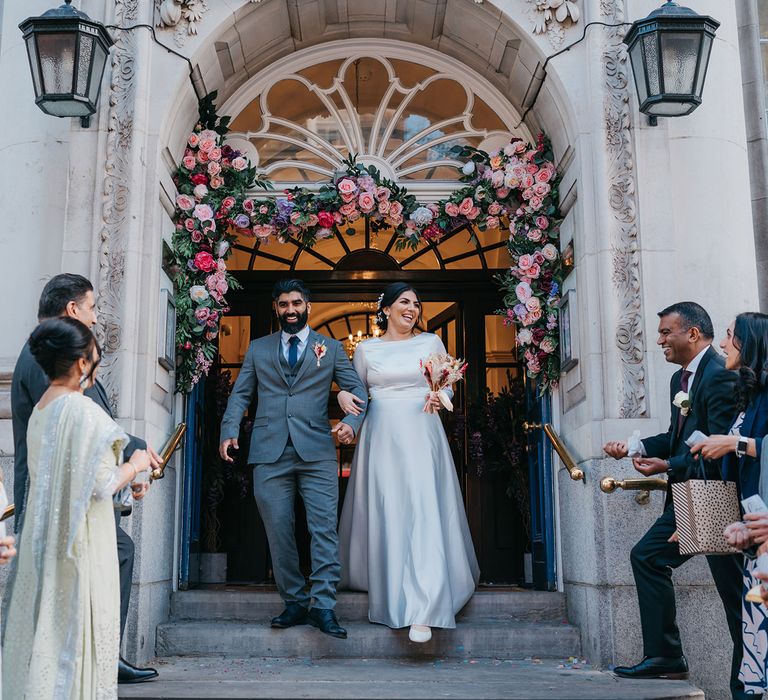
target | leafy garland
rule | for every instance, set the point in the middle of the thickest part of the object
(514, 188)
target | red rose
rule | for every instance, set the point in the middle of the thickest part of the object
(325, 219)
(199, 179)
(204, 261)
(433, 233)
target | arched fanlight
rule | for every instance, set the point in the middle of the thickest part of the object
(67, 53)
(669, 51)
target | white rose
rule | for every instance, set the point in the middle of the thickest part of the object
(549, 251)
(198, 292)
(683, 402)
(469, 167)
(200, 192)
(524, 337)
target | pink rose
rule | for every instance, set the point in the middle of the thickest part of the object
(532, 168)
(325, 219)
(533, 366)
(544, 175)
(200, 192)
(207, 145)
(395, 209)
(452, 209)
(535, 203)
(494, 209)
(542, 222)
(193, 140)
(383, 206)
(295, 217)
(541, 189)
(214, 168)
(190, 224)
(549, 252)
(346, 186)
(395, 219)
(239, 163)
(547, 346)
(524, 261)
(503, 192)
(202, 156)
(348, 197)
(534, 234)
(347, 209)
(497, 179)
(202, 314)
(204, 261)
(189, 162)
(533, 271)
(383, 193)
(527, 180)
(312, 220)
(263, 232)
(354, 216)
(492, 222)
(530, 155)
(523, 292)
(532, 304)
(196, 236)
(216, 181)
(263, 209)
(538, 258)
(185, 202)
(203, 212)
(520, 147)
(322, 233)
(229, 202)
(496, 162)
(473, 213)
(466, 206)
(215, 153)
(367, 202)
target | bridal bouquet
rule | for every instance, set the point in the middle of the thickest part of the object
(442, 371)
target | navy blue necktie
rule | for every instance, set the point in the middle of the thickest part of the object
(293, 351)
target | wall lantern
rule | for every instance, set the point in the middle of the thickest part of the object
(67, 53)
(669, 51)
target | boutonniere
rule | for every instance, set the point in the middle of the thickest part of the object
(319, 349)
(683, 401)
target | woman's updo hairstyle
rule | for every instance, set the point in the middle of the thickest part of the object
(750, 338)
(392, 292)
(58, 343)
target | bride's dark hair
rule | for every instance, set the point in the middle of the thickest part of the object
(58, 343)
(392, 292)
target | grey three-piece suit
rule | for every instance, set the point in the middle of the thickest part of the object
(292, 449)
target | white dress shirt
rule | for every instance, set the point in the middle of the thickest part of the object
(302, 335)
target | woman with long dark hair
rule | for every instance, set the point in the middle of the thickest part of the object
(403, 535)
(62, 634)
(746, 351)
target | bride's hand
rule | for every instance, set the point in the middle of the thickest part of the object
(349, 403)
(433, 404)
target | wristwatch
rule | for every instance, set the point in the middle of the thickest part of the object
(741, 446)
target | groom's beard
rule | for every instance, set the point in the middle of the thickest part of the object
(297, 325)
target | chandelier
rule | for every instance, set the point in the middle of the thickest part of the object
(354, 339)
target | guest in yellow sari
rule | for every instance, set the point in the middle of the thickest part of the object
(61, 636)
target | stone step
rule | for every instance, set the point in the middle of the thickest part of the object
(500, 639)
(372, 679)
(262, 605)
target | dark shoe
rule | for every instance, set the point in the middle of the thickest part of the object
(126, 673)
(325, 620)
(294, 614)
(656, 667)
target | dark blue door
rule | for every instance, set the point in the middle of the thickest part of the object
(542, 492)
(191, 480)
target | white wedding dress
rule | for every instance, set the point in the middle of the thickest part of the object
(403, 535)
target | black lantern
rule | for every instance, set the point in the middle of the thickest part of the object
(67, 54)
(669, 51)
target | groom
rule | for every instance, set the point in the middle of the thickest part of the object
(292, 450)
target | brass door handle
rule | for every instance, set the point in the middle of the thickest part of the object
(609, 484)
(530, 427)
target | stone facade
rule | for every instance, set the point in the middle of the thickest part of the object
(649, 210)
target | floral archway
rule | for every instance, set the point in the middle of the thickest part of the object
(515, 188)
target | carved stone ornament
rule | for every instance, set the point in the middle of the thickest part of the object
(553, 17)
(115, 223)
(622, 201)
(182, 16)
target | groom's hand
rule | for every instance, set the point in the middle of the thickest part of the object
(224, 446)
(344, 433)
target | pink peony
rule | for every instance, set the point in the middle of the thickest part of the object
(325, 219)
(346, 186)
(497, 180)
(466, 206)
(367, 202)
(202, 314)
(239, 163)
(200, 192)
(185, 202)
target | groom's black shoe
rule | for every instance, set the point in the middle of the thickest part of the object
(294, 614)
(675, 668)
(325, 620)
(127, 673)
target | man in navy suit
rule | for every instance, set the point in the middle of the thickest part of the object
(72, 295)
(685, 335)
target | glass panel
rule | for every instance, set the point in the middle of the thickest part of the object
(670, 109)
(499, 350)
(99, 61)
(410, 73)
(249, 119)
(679, 53)
(639, 70)
(307, 261)
(366, 81)
(234, 338)
(322, 73)
(32, 54)
(427, 261)
(651, 50)
(706, 47)
(57, 56)
(84, 63)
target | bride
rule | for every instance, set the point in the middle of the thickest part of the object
(403, 534)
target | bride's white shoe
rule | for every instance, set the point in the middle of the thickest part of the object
(419, 634)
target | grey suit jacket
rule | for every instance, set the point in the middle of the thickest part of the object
(299, 410)
(28, 385)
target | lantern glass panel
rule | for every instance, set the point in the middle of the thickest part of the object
(679, 53)
(99, 61)
(32, 53)
(706, 47)
(57, 58)
(84, 63)
(671, 109)
(651, 51)
(638, 68)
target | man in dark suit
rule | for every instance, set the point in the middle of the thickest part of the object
(72, 295)
(685, 335)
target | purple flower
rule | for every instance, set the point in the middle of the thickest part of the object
(520, 310)
(284, 209)
(242, 221)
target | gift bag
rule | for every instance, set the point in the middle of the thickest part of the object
(703, 509)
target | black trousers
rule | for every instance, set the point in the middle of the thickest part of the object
(125, 550)
(653, 559)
